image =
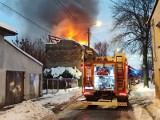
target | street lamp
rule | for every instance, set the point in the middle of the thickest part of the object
(117, 50)
(97, 23)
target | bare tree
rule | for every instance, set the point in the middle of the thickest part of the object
(101, 48)
(36, 49)
(130, 19)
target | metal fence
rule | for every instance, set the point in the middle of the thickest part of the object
(52, 86)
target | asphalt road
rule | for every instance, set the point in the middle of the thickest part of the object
(81, 112)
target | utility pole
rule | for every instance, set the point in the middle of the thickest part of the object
(89, 35)
(98, 23)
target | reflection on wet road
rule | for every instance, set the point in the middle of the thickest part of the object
(82, 112)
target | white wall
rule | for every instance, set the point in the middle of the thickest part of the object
(14, 60)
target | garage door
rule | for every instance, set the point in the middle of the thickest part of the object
(14, 87)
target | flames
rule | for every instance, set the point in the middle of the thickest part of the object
(71, 30)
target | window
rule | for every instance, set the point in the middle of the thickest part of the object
(104, 77)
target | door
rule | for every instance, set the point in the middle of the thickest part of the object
(14, 87)
(34, 85)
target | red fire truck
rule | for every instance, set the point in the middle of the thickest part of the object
(105, 81)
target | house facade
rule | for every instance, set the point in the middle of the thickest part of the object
(155, 29)
(20, 73)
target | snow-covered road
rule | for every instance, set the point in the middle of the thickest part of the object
(143, 107)
(142, 100)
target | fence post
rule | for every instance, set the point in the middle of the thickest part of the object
(47, 86)
(65, 85)
(57, 85)
(52, 86)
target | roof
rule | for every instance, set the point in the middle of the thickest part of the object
(153, 10)
(6, 30)
(26, 54)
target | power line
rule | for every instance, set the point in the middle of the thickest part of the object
(61, 8)
(66, 11)
(94, 37)
(24, 17)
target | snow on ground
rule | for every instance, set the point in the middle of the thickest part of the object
(140, 91)
(26, 110)
(60, 97)
(29, 110)
(154, 109)
(142, 95)
(144, 103)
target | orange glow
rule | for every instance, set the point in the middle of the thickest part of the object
(70, 35)
(71, 30)
(83, 42)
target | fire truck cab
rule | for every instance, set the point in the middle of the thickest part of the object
(105, 81)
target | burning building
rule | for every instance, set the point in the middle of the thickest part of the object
(63, 18)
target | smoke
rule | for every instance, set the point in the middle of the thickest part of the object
(51, 13)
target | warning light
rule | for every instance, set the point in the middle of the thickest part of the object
(122, 94)
(135, 71)
(126, 66)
